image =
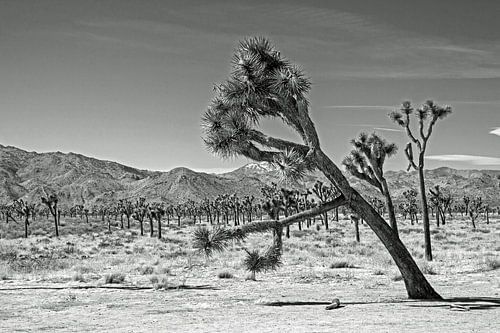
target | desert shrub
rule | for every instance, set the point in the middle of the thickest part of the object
(163, 270)
(116, 278)
(78, 277)
(4, 273)
(378, 271)
(492, 263)
(342, 264)
(397, 277)
(161, 283)
(225, 275)
(146, 269)
(439, 236)
(333, 242)
(427, 269)
(484, 231)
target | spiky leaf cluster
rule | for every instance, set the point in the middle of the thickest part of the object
(211, 241)
(255, 262)
(367, 159)
(262, 84)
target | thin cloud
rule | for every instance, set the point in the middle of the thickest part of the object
(214, 170)
(375, 127)
(495, 131)
(473, 159)
(375, 107)
(387, 129)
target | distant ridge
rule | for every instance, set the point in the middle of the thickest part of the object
(79, 179)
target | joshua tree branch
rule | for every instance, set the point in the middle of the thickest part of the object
(409, 156)
(278, 143)
(409, 132)
(267, 225)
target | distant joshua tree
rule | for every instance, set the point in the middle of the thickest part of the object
(428, 114)
(366, 162)
(476, 206)
(442, 200)
(25, 210)
(51, 203)
(324, 194)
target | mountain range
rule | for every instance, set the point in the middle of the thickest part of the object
(78, 179)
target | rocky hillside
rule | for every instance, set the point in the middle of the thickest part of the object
(79, 179)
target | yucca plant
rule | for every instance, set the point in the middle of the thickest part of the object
(211, 241)
(254, 262)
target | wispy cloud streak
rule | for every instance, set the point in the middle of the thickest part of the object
(472, 159)
(495, 131)
(387, 129)
(360, 107)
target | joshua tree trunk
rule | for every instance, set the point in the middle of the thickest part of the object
(151, 231)
(425, 214)
(438, 216)
(26, 223)
(142, 227)
(278, 239)
(159, 226)
(356, 227)
(416, 284)
(56, 224)
(390, 207)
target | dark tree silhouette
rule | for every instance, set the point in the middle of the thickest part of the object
(264, 85)
(442, 201)
(428, 114)
(51, 203)
(325, 193)
(366, 162)
(25, 210)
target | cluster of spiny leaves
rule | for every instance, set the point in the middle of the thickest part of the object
(367, 159)
(262, 84)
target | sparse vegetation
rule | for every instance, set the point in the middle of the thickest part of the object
(225, 275)
(114, 278)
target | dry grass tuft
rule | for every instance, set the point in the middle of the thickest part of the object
(225, 275)
(492, 263)
(116, 278)
(342, 264)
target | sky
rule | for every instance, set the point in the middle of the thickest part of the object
(128, 81)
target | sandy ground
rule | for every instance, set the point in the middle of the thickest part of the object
(373, 297)
(236, 305)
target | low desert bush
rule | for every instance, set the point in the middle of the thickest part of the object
(342, 264)
(78, 277)
(225, 275)
(116, 278)
(492, 263)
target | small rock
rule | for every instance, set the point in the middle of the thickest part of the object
(335, 304)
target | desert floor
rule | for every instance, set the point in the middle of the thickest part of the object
(90, 280)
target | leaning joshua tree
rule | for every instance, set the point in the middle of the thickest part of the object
(264, 85)
(428, 114)
(366, 162)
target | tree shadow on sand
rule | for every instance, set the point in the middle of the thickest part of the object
(454, 303)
